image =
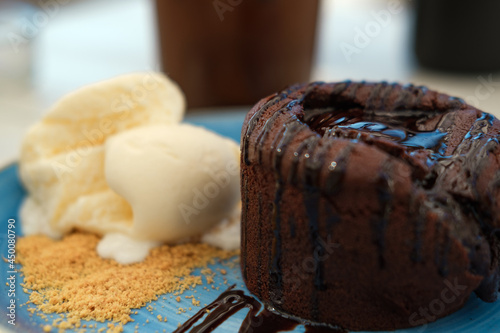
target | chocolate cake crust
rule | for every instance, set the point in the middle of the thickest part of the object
(364, 203)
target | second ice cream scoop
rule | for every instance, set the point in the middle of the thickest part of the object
(180, 180)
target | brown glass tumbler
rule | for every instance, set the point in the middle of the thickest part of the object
(234, 52)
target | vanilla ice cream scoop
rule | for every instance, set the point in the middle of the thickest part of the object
(112, 158)
(180, 180)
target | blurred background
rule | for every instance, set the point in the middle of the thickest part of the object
(51, 47)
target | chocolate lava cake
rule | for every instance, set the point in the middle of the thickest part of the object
(372, 206)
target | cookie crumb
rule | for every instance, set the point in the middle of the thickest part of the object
(67, 277)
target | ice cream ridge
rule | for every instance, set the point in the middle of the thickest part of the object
(113, 158)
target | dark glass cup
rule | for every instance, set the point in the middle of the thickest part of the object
(458, 35)
(234, 52)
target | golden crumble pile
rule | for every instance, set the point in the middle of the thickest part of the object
(69, 277)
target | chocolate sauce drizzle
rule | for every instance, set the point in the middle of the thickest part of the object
(418, 212)
(399, 128)
(230, 302)
(244, 210)
(259, 245)
(281, 143)
(385, 196)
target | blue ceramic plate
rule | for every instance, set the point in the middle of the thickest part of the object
(476, 316)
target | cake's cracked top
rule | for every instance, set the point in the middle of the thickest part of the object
(439, 152)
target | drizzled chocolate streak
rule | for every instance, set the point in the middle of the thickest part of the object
(232, 301)
(403, 179)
